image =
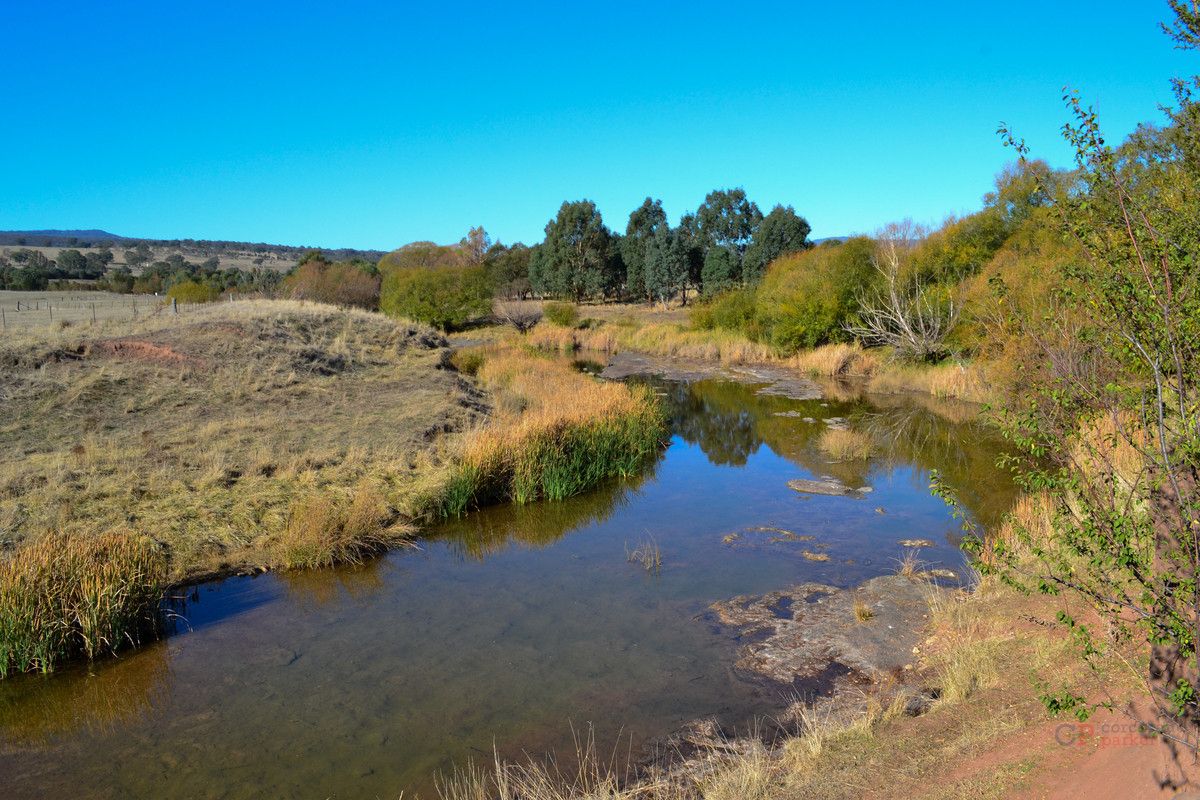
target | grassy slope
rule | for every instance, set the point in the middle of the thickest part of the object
(220, 431)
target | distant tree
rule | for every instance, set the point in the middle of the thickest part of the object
(508, 269)
(644, 222)
(120, 280)
(727, 220)
(211, 264)
(343, 283)
(446, 297)
(575, 260)
(780, 232)
(476, 245)
(666, 264)
(423, 254)
(72, 263)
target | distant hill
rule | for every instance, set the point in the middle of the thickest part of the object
(829, 239)
(190, 247)
(56, 238)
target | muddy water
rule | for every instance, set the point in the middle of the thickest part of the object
(510, 628)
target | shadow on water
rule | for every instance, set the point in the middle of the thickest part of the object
(503, 628)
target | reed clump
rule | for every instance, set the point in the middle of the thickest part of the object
(63, 597)
(845, 445)
(647, 554)
(839, 360)
(555, 433)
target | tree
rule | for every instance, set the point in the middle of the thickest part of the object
(666, 264)
(1111, 415)
(781, 232)
(72, 263)
(903, 312)
(508, 270)
(575, 259)
(727, 220)
(445, 297)
(644, 222)
(476, 244)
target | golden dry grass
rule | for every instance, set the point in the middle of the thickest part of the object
(212, 431)
(555, 432)
(965, 381)
(836, 361)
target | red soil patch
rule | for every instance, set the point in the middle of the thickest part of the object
(141, 350)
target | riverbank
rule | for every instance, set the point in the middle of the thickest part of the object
(626, 328)
(261, 435)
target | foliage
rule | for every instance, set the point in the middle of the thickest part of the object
(732, 310)
(780, 232)
(69, 596)
(447, 297)
(343, 284)
(508, 270)
(806, 298)
(576, 260)
(1122, 379)
(190, 291)
(560, 313)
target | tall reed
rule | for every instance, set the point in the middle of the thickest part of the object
(67, 596)
(556, 433)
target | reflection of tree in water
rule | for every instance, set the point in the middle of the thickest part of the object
(947, 436)
(490, 530)
(719, 417)
(97, 698)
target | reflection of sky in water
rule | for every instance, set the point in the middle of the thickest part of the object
(504, 627)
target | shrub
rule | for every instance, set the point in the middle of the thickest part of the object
(445, 297)
(193, 292)
(560, 313)
(341, 284)
(806, 298)
(66, 596)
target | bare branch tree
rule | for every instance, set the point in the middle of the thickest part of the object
(521, 314)
(903, 312)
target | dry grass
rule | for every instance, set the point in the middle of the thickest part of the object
(845, 445)
(862, 611)
(837, 361)
(215, 431)
(68, 596)
(555, 433)
(965, 381)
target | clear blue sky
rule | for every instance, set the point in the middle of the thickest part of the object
(374, 124)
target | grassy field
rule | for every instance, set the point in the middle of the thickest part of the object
(42, 311)
(223, 431)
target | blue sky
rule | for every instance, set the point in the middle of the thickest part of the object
(373, 124)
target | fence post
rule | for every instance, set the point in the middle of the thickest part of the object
(3, 321)
(50, 308)
(93, 313)
(175, 305)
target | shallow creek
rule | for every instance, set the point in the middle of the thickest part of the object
(513, 628)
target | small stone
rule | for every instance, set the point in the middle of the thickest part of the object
(916, 543)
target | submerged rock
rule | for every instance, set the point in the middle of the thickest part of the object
(799, 633)
(916, 543)
(827, 486)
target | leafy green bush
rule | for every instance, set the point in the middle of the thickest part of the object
(193, 292)
(445, 297)
(806, 298)
(560, 313)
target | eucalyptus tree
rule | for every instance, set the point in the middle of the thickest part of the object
(782, 231)
(645, 222)
(727, 222)
(576, 258)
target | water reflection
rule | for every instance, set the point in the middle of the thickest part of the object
(96, 699)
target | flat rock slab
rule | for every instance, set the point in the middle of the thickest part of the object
(827, 486)
(777, 380)
(797, 634)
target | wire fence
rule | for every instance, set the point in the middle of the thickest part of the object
(24, 311)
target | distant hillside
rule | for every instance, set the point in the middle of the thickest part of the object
(192, 247)
(56, 238)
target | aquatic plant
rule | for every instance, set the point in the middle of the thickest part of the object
(647, 554)
(66, 596)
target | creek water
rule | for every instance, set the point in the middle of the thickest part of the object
(514, 629)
